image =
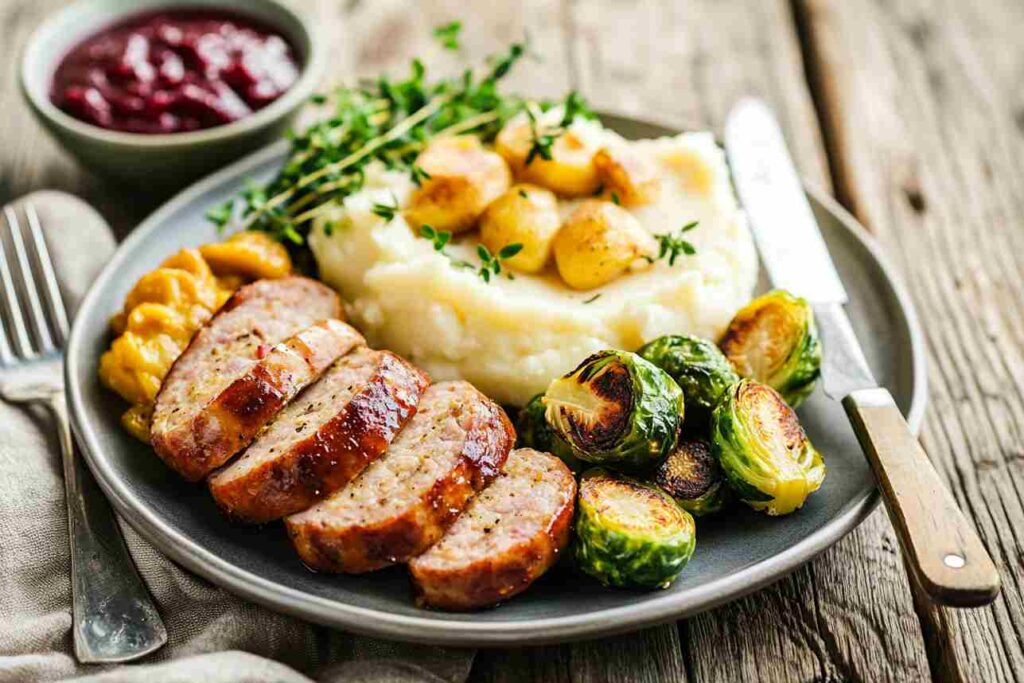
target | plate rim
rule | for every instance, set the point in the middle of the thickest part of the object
(440, 631)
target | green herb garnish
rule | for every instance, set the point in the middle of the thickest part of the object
(448, 35)
(439, 238)
(491, 263)
(671, 245)
(387, 211)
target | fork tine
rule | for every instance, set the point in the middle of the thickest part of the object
(54, 301)
(29, 287)
(22, 345)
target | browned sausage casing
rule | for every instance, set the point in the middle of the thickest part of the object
(402, 504)
(510, 534)
(323, 439)
(270, 339)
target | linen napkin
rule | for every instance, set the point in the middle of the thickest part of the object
(213, 636)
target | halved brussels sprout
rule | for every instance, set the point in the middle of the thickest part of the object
(533, 431)
(699, 368)
(763, 450)
(774, 340)
(616, 409)
(691, 474)
(630, 534)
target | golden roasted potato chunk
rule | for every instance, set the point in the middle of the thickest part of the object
(463, 179)
(627, 174)
(527, 215)
(570, 171)
(598, 243)
(248, 254)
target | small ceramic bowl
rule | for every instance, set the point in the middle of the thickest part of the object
(163, 162)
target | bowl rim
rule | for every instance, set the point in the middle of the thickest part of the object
(312, 68)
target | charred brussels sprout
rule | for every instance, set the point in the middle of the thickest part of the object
(699, 368)
(630, 534)
(691, 474)
(533, 431)
(763, 450)
(616, 409)
(774, 340)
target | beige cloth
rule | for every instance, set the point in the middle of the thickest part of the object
(213, 636)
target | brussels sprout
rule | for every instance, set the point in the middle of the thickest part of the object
(533, 431)
(763, 450)
(616, 409)
(692, 476)
(630, 534)
(774, 340)
(699, 368)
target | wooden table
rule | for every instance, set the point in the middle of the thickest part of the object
(912, 112)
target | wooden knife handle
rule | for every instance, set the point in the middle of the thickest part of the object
(939, 543)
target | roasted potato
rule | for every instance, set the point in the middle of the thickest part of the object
(249, 255)
(627, 174)
(569, 172)
(598, 243)
(527, 215)
(463, 179)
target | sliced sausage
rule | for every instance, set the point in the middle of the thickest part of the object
(323, 439)
(401, 504)
(270, 339)
(509, 535)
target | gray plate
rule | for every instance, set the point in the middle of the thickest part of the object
(737, 552)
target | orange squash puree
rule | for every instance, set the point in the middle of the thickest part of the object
(168, 305)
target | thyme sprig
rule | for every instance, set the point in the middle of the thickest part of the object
(672, 245)
(387, 211)
(490, 264)
(384, 120)
(448, 35)
(543, 137)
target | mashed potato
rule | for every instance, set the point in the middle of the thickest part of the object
(512, 337)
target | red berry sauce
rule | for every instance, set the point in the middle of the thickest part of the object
(174, 71)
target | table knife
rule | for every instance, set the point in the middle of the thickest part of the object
(940, 545)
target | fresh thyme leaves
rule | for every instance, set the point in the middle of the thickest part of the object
(419, 175)
(672, 245)
(221, 214)
(439, 238)
(490, 264)
(593, 298)
(522, 193)
(541, 142)
(543, 137)
(575, 106)
(387, 211)
(615, 199)
(448, 35)
(385, 120)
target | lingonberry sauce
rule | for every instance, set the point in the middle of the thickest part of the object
(173, 71)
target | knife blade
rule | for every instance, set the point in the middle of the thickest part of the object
(789, 241)
(944, 551)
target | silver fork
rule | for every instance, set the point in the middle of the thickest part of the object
(114, 619)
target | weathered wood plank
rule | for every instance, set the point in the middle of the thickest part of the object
(850, 614)
(925, 122)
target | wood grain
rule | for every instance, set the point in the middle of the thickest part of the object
(925, 120)
(921, 101)
(849, 614)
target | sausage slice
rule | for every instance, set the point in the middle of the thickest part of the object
(270, 339)
(323, 439)
(505, 539)
(402, 504)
